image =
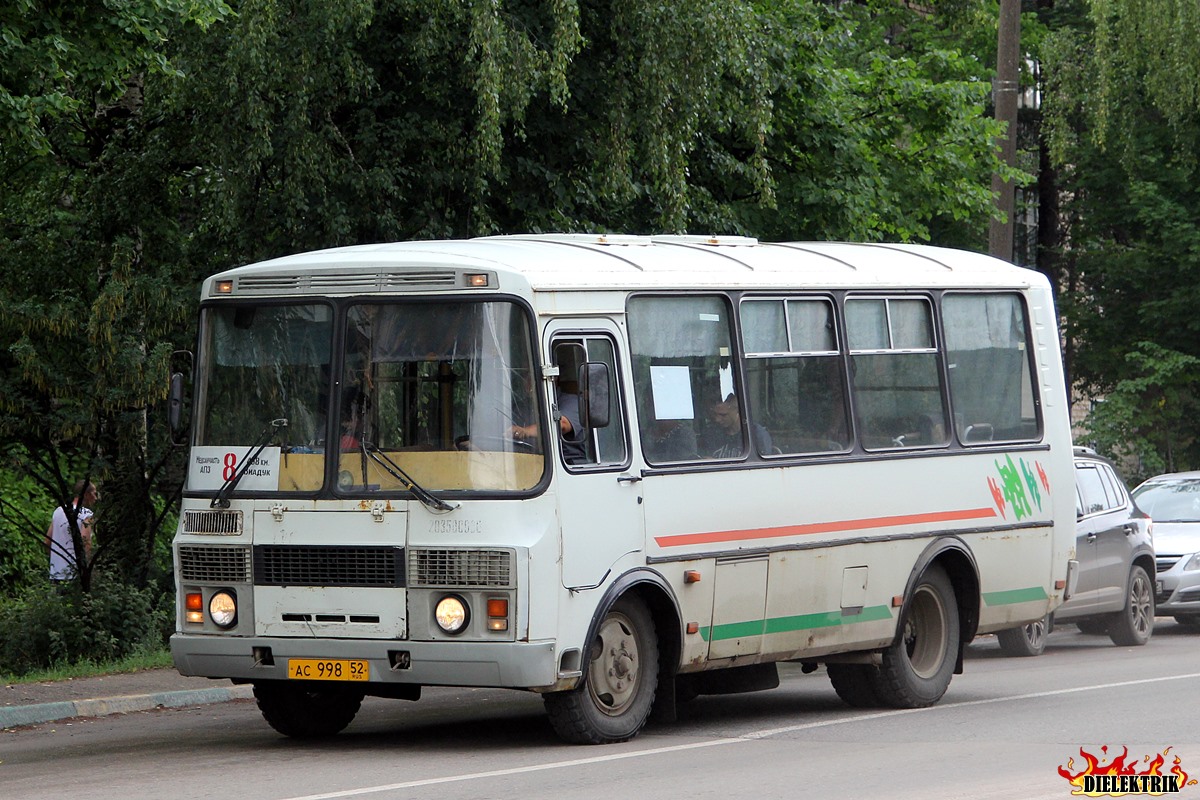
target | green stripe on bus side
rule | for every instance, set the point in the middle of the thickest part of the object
(758, 627)
(1029, 595)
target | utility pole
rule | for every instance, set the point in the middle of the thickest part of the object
(1004, 96)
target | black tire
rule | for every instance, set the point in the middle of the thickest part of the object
(304, 711)
(1133, 626)
(855, 684)
(1025, 641)
(917, 667)
(619, 681)
(1094, 626)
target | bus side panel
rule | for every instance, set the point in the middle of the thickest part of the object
(842, 540)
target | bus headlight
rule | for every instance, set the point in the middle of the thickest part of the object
(452, 614)
(222, 609)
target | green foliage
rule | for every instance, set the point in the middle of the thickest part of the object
(154, 659)
(870, 141)
(1147, 419)
(1157, 41)
(25, 511)
(58, 60)
(1127, 170)
(47, 626)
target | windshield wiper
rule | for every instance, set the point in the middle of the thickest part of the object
(389, 466)
(222, 498)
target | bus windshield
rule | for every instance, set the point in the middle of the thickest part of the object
(423, 395)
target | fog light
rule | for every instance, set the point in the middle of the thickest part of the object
(451, 614)
(222, 609)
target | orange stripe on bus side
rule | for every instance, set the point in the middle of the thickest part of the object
(681, 539)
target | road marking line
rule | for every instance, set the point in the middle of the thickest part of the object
(575, 762)
(746, 737)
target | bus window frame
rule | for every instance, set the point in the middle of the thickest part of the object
(620, 406)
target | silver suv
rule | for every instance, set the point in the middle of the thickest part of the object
(1115, 591)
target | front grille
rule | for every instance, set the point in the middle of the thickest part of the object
(219, 523)
(490, 568)
(283, 565)
(1163, 563)
(204, 564)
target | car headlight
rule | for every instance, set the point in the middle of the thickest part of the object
(1193, 563)
(452, 614)
(222, 609)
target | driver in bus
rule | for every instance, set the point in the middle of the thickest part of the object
(571, 430)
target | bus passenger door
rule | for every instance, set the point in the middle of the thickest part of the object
(599, 505)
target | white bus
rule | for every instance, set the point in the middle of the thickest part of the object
(617, 471)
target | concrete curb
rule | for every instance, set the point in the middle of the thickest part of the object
(14, 716)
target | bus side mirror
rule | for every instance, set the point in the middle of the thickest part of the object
(175, 401)
(594, 389)
(181, 367)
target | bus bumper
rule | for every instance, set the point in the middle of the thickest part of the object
(521, 665)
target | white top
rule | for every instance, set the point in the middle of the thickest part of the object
(587, 262)
(61, 567)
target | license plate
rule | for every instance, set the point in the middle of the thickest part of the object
(1158, 587)
(328, 669)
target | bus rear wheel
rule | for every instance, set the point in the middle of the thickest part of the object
(917, 667)
(619, 681)
(304, 712)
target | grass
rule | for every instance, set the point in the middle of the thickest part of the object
(87, 669)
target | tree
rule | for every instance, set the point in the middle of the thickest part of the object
(880, 130)
(89, 309)
(1129, 244)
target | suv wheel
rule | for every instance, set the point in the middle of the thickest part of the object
(1027, 640)
(1133, 626)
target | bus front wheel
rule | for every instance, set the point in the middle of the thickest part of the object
(303, 712)
(619, 681)
(917, 667)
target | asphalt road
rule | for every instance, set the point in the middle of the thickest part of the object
(1002, 731)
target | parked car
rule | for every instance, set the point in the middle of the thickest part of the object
(1115, 592)
(1173, 501)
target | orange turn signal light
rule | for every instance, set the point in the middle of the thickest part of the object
(194, 601)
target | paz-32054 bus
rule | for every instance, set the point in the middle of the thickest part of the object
(617, 471)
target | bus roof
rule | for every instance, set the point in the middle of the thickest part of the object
(564, 262)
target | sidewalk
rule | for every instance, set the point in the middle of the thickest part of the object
(34, 703)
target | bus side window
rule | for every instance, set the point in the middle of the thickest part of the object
(987, 353)
(794, 374)
(682, 367)
(896, 374)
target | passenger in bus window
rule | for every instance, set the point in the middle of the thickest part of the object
(670, 440)
(726, 441)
